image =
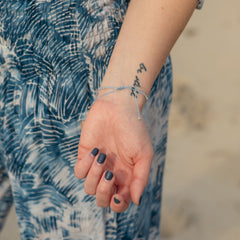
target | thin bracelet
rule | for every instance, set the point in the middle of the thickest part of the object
(200, 4)
(115, 89)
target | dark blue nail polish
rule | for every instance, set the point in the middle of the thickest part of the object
(140, 200)
(95, 152)
(101, 158)
(108, 175)
(116, 200)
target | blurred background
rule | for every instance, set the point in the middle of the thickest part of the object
(201, 197)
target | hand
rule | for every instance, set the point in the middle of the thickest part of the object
(119, 171)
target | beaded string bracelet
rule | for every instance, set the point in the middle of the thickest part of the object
(200, 4)
(115, 89)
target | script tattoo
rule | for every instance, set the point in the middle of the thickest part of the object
(136, 82)
(142, 67)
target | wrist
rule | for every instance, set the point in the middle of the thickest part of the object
(128, 97)
(130, 94)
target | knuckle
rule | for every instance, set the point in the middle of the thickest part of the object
(82, 150)
(102, 203)
(77, 172)
(89, 190)
(95, 173)
(102, 190)
(143, 182)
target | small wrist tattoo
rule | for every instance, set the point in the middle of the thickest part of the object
(142, 68)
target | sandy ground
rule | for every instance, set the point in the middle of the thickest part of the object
(201, 197)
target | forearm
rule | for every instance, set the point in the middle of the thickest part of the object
(149, 31)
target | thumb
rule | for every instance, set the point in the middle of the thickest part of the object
(141, 173)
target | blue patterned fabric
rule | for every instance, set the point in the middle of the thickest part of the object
(53, 56)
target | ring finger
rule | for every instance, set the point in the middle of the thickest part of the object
(94, 174)
(105, 189)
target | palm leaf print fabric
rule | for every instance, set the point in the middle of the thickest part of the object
(53, 56)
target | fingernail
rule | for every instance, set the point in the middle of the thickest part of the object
(108, 175)
(95, 151)
(101, 158)
(116, 200)
(140, 200)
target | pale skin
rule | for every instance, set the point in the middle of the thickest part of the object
(149, 31)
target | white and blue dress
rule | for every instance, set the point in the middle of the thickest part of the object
(53, 56)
